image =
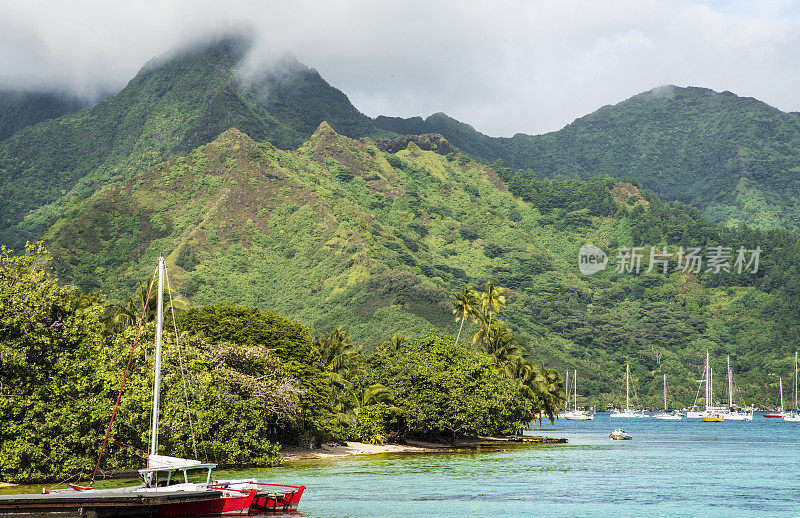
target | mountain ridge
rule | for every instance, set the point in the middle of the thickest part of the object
(734, 157)
(170, 106)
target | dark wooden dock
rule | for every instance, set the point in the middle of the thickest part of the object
(96, 504)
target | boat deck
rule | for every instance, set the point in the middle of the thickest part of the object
(97, 503)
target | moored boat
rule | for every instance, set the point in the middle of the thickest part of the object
(732, 413)
(794, 416)
(620, 435)
(713, 417)
(172, 486)
(780, 414)
(628, 412)
(575, 414)
(665, 415)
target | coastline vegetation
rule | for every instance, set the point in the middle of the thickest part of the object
(255, 380)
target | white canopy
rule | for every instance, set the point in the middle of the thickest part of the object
(165, 463)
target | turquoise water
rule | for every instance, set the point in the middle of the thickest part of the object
(670, 468)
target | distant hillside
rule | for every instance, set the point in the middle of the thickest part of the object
(21, 108)
(375, 235)
(735, 158)
(170, 106)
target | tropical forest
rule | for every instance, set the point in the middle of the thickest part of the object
(335, 277)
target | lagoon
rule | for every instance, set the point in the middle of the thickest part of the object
(670, 468)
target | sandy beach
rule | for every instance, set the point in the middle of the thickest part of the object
(333, 450)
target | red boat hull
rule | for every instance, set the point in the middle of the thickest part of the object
(247, 502)
(772, 415)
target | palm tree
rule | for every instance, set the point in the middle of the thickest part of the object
(492, 300)
(502, 345)
(547, 386)
(337, 351)
(465, 306)
(119, 316)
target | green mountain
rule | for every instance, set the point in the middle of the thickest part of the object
(262, 204)
(733, 157)
(374, 235)
(171, 106)
(21, 108)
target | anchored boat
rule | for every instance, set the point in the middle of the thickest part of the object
(620, 435)
(665, 415)
(628, 412)
(172, 486)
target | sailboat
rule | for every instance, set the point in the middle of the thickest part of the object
(563, 414)
(575, 414)
(793, 416)
(628, 412)
(696, 412)
(780, 391)
(731, 414)
(666, 415)
(712, 414)
(172, 486)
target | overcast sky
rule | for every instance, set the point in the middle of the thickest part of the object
(503, 66)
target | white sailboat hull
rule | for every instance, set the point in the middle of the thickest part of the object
(667, 417)
(628, 413)
(578, 415)
(738, 416)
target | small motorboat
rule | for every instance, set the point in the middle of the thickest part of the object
(620, 435)
(713, 417)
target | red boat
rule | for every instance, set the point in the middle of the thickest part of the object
(772, 414)
(172, 486)
(236, 497)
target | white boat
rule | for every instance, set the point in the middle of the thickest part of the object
(575, 414)
(732, 414)
(665, 415)
(628, 412)
(793, 416)
(694, 413)
(620, 435)
(712, 414)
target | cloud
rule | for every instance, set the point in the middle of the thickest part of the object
(512, 66)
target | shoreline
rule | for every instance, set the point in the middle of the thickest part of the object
(334, 450)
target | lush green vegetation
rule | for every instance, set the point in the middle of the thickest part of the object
(373, 237)
(735, 158)
(376, 242)
(21, 108)
(170, 106)
(238, 382)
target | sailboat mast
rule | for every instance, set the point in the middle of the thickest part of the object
(795, 382)
(710, 386)
(627, 374)
(708, 383)
(575, 388)
(157, 376)
(665, 392)
(566, 384)
(730, 385)
(780, 388)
